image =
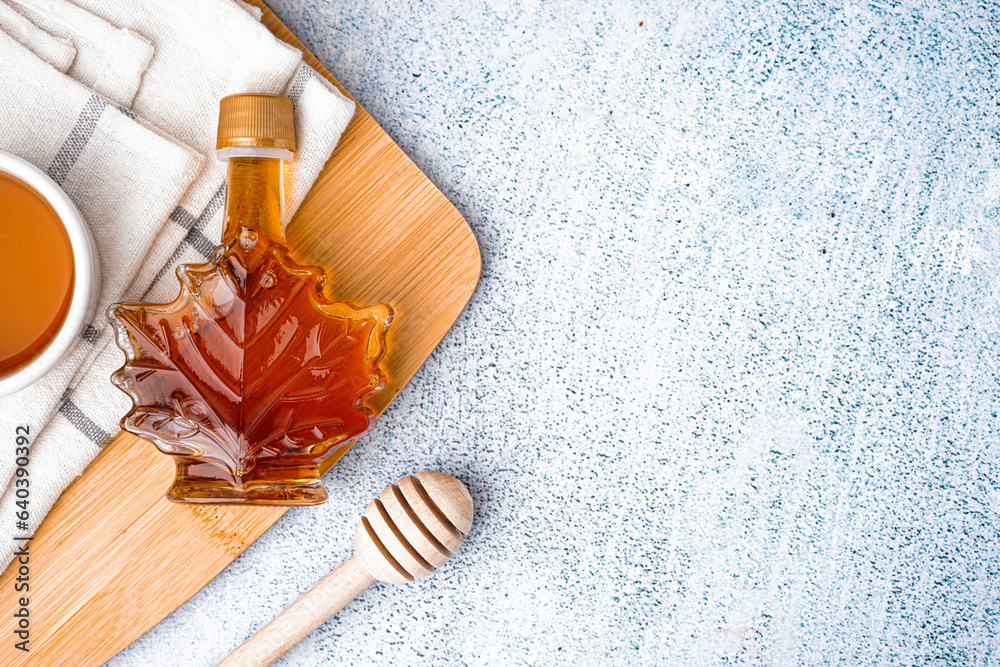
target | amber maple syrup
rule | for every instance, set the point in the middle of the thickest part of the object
(36, 274)
(251, 378)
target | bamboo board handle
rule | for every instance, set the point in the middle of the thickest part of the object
(304, 615)
(408, 531)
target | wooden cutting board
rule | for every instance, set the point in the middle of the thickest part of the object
(113, 557)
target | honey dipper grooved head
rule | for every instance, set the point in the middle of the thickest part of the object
(413, 527)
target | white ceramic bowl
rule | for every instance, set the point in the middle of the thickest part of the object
(86, 274)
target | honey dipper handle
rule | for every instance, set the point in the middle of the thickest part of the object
(304, 615)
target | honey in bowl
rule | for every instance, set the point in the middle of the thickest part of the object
(36, 273)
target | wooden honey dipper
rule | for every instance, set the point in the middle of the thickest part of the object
(408, 531)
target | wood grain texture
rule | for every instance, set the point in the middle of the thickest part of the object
(114, 557)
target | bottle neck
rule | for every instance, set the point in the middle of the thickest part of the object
(255, 197)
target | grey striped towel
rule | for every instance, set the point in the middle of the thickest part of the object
(135, 153)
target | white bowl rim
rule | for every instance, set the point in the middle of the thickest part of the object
(86, 273)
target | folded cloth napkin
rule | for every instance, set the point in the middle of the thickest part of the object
(109, 60)
(143, 174)
(60, 53)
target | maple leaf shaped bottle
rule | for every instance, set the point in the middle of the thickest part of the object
(250, 378)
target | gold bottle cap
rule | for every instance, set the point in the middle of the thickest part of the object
(256, 119)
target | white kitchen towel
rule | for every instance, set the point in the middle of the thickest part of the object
(58, 52)
(202, 51)
(109, 60)
(124, 178)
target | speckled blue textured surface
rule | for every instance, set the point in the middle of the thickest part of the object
(728, 390)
